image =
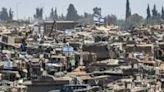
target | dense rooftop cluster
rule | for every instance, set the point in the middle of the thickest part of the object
(86, 58)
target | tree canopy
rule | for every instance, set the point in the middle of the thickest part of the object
(97, 11)
(134, 20)
(162, 13)
(154, 12)
(53, 14)
(72, 13)
(128, 10)
(148, 12)
(39, 13)
(4, 14)
(111, 19)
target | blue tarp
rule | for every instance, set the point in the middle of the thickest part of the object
(68, 49)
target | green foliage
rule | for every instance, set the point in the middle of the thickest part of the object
(162, 13)
(39, 13)
(10, 14)
(53, 14)
(148, 12)
(111, 19)
(72, 13)
(4, 14)
(156, 17)
(87, 18)
(121, 24)
(97, 11)
(62, 17)
(153, 21)
(128, 10)
(154, 12)
(134, 20)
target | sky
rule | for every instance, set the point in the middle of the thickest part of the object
(26, 8)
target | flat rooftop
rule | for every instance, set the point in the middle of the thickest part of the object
(61, 21)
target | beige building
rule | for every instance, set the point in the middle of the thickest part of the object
(60, 25)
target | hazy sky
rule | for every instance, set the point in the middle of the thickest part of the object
(24, 8)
